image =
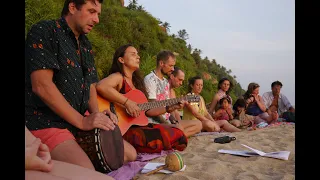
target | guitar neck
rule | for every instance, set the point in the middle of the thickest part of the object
(162, 103)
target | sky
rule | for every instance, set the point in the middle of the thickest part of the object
(253, 38)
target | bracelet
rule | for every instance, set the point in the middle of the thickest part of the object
(125, 102)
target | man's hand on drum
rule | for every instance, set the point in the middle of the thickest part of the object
(111, 115)
(99, 120)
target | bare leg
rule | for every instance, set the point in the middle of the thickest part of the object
(236, 122)
(210, 126)
(63, 171)
(269, 118)
(39, 175)
(258, 119)
(130, 153)
(225, 125)
(69, 151)
(191, 127)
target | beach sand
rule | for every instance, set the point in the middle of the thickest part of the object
(203, 160)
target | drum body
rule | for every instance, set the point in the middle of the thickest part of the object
(104, 148)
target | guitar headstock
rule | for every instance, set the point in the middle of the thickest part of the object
(192, 98)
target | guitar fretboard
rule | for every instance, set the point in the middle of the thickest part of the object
(162, 103)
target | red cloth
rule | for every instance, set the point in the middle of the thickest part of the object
(154, 138)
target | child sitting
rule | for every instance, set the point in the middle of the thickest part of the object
(241, 119)
(224, 112)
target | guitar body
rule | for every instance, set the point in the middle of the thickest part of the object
(125, 120)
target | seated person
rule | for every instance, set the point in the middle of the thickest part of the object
(198, 111)
(224, 112)
(276, 101)
(224, 89)
(255, 105)
(241, 119)
(39, 165)
(124, 76)
(189, 127)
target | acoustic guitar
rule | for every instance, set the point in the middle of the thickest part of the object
(125, 120)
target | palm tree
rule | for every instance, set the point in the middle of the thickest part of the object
(183, 34)
(166, 25)
(133, 5)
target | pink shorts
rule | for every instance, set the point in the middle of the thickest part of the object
(53, 136)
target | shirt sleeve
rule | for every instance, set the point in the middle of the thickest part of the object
(286, 102)
(151, 87)
(265, 99)
(40, 50)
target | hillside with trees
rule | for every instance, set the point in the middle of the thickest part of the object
(120, 25)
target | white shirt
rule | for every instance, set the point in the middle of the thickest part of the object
(283, 102)
(158, 89)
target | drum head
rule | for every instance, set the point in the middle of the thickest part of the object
(112, 147)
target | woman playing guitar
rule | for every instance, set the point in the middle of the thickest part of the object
(124, 78)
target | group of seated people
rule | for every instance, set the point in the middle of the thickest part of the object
(61, 99)
(251, 108)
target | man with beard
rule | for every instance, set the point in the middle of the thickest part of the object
(157, 85)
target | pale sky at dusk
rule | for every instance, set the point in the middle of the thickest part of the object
(253, 38)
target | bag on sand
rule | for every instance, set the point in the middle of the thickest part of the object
(289, 116)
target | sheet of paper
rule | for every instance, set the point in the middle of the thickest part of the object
(151, 166)
(254, 152)
(240, 153)
(279, 155)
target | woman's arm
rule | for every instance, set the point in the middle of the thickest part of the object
(109, 88)
(93, 103)
(213, 104)
(260, 103)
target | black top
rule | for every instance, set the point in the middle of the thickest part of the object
(51, 44)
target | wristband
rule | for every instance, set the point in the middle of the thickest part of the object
(125, 102)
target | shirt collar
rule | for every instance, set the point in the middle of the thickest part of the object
(61, 22)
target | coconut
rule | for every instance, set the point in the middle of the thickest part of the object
(174, 162)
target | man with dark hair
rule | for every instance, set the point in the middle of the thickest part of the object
(276, 101)
(60, 81)
(158, 87)
(190, 127)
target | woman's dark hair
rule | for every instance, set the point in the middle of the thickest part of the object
(78, 4)
(116, 66)
(220, 83)
(191, 81)
(251, 87)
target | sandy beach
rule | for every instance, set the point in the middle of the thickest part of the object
(203, 160)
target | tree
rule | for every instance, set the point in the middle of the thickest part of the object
(140, 8)
(166, 25)
(189, 47)
(183, 34)
(133, 5)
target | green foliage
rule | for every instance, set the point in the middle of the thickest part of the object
(122, 25)
(37, 10)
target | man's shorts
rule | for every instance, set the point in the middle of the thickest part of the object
(53, 136)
